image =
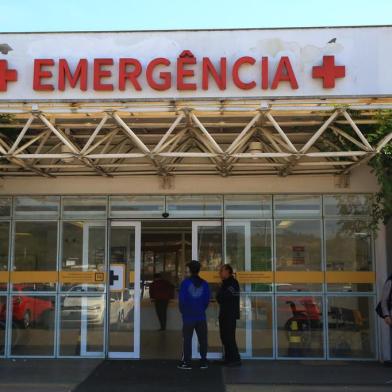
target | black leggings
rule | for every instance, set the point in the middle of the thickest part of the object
(227, 326)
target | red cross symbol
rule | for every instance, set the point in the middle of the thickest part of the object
(6, 75)
(329, 71)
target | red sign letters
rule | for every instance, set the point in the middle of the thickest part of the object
(186, 73)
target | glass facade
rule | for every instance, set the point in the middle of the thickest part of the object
(305, 264)
(300, 326)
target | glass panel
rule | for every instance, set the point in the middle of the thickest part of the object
(166, 248)
(88, 207)
(83, 247)
(209, 247)
(4, 250)
(32, 324)
(3, 318)
(5, 207)
(256, 246)
(254, 329)
(348, 248)
(347, 204)
(248, 206)
(209, 252)
(35, 249)
(300, 326)
(122, 289)
(82, 324)
(297, 206)
(4, 245)
(189, 206)
(351, 327)
(243, 326)
(235, 246)
(37, 207)
(137, 206)
(35, 246)
(298, 248)
(261, 251)
(262, 326)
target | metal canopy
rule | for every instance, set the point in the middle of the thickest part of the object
(216, 137)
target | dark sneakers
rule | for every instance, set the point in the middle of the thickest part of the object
(203, 365)
(184, 366)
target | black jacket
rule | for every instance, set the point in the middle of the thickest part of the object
(228, 297)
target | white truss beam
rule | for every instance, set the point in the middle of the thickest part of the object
(348, 137)
(107, 138)
(94, 134)
(234, 145)
(136, 140)
(319, 132)
(29, 143)
(387, 139)
(210, 140)
(189, 137)
(161, 145)
(73, 148)
(289, 145)
(20, 162)
(357, 130)
(21, 134)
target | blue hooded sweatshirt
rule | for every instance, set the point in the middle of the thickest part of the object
(193, 299)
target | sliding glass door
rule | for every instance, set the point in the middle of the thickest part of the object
(123, 303)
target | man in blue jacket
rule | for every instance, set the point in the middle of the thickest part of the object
(194, 298)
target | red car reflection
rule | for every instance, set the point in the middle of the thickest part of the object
(28, 309)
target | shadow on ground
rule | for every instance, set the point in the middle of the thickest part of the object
(314, 373)
(151, 376)
(92, 375)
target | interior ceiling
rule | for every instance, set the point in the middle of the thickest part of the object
(165, 138)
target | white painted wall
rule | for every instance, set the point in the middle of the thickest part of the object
(361, 180)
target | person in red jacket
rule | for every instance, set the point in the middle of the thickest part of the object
(161, 292)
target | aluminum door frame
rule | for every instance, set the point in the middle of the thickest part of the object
(136, 314)
(248, 267)
(195, 225)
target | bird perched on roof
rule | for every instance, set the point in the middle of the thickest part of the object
(5, 48)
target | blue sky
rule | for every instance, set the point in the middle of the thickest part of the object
(71, 15)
